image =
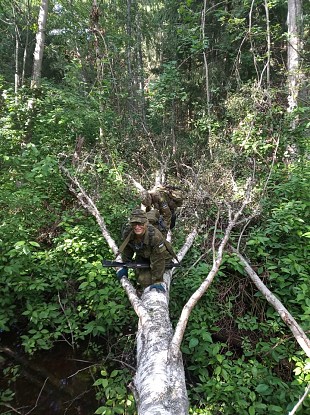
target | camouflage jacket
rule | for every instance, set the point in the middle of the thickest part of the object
(160, 201)
(152, 248)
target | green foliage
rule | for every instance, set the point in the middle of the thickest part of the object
(245, 387)
(226, 381)
(111, 389)
(255, 369)
(280, 242)
(147, 87)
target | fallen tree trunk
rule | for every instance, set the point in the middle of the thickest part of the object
(159, 383)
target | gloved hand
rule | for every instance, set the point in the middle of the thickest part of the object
(122, 272)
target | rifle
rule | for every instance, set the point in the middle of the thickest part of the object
(116, 264)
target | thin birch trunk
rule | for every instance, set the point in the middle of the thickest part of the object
(203, 24)
(268, 36)
(26, 44)
(25, 57)
(294, 47)
(40, 38)
(16, 80)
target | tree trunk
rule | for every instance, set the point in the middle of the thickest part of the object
(16, 82)
(294, 47)
(159, 383)
(38, 52)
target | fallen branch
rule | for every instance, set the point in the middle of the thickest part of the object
(76, 188)
(288, 319)
(187, 309)
(293, 411)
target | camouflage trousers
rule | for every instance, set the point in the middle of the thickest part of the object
(145, 278)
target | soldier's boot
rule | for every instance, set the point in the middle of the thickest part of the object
(158, 287)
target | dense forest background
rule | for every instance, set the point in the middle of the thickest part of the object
(198, 90)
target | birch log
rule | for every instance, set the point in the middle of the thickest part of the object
(294, 49)
(159, 383)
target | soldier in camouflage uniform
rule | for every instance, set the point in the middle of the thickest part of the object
(166, 199)
(158, 199)
(145, 243)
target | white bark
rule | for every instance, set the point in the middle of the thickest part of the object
(306, 393)
(38, 52)
(288, 319)
(16, 83)
(187, 309)
(159, 384)
(294, 46)
(268, 38)
(78, 191)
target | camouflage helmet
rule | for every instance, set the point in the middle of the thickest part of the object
(138, 216)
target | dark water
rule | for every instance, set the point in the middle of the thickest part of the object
(55, 382)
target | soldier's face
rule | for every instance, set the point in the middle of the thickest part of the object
(139, 228)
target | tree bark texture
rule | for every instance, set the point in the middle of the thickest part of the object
(38, 52)
(294, 46)
(159, 383)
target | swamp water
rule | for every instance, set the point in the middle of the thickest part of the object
(55, 382)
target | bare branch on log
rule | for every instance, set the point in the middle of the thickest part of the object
(187, 245)
(293, 411)
(88, 204)
(76, 188)
(137, 185)
(288, 319)
(187, 309)
(180, 255)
